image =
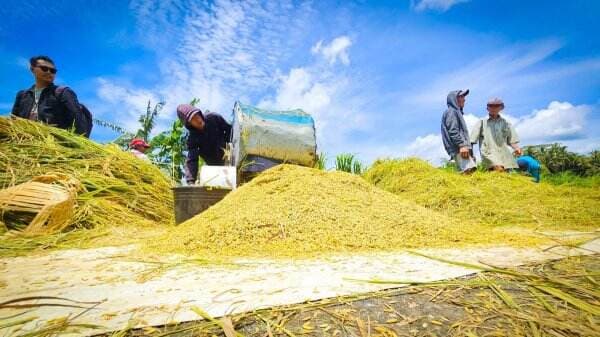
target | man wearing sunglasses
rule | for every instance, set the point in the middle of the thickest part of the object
(46, 102)
(495, 135)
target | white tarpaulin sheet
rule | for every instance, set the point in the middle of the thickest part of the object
(126, 289)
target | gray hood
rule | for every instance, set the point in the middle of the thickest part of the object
(454, 129)
(452, 99)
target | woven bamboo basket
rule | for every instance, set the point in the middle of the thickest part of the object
(50, 198)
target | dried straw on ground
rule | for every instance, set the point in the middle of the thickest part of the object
(292, 211)
(491, 198)
(117, 189)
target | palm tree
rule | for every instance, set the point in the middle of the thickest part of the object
(147, 120)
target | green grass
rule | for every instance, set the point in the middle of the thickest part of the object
(570, 179)
(321, 163)
(348, 162)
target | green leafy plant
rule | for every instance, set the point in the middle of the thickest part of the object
(147, 120)
(194, 102)
(168, 150)
(147, 123)
(343, 162)
(357, 167)
(347, 162)
(557, 159)
(321, 161)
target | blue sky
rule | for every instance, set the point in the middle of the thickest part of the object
(374, 74)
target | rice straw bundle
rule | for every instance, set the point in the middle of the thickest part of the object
(117, 189)
(292, 211)
(497, 199)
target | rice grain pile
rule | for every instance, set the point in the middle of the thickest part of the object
(119, 190)
(490, 198)
(293, 211)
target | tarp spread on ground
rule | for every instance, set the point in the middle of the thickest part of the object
(114, 184)
(125, 293)
(286, 136)
(293, 211)
(492, 198)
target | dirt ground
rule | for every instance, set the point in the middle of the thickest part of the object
(557, 298)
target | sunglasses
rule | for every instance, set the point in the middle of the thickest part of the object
(494, 105)
(47, 69)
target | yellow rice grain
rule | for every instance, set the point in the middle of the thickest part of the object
(292, 211)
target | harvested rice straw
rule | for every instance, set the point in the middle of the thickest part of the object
(117, 188)
(292, 211)
(490, 198)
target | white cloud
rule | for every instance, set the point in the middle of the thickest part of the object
(218, 52)
(327, 97)
(299, 89)
(337, 49)
(559, 121)
(584, 145)
(129, 102)
(226, 50)
(518, 73)
(511, 119)
(514, 74)
(232, 50)
(431, 147)
(437, 5)
(132, 98)
(315, 88)
(471, 119)
(428, 147)
(500, 74)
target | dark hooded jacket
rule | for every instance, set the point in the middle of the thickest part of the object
(454, 128)
(208, 144)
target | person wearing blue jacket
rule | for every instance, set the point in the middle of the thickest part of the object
(532, 166)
